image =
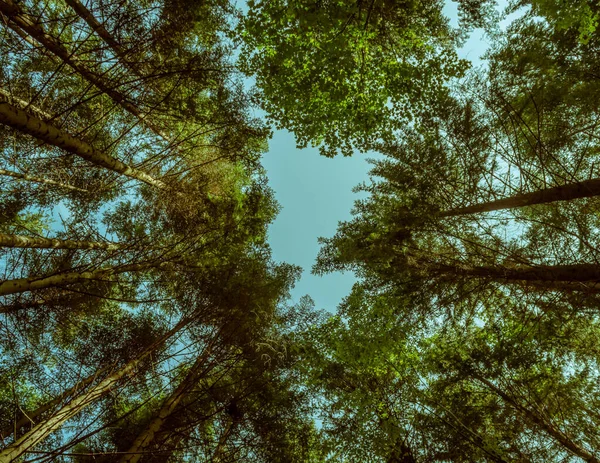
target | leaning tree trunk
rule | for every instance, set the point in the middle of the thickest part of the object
(218, 455)
(20, 241)
(22, 285)
(541, 273)
(35, 179)
(135, 452)
(563, 438)
(584, 189)
(31, 417)
(78, 404)
(25, 105)
(58, 298)
(99, 29)
(31, 125)
(584, 277)
(120, 52)
(21, 19)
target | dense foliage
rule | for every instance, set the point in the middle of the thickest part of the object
(142, 315)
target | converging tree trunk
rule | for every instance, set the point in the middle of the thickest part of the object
(35, 179)
(134, 453)
(24, 105)
(99, 29)
(20, 18)
(59, 297)
(22, 285)
(31, 125)
(554, 277)
(220, 450)
(32, 416)
(19, 241)
(534, 417)
(78, 404)
(584, 189)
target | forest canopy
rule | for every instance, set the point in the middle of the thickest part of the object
(143, 315)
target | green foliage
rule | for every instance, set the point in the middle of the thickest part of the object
(345, 74)
(580, 15)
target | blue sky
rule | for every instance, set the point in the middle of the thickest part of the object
(316, 192)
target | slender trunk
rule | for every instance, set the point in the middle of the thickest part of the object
(31, 417)
(585, 189)
(22, 285)
(135, 452)
(559, 277)
(78, 404)
(99, 29)
(218, 455)
(29, 124)
(19, 241)
(24, 105)
(563, 438)
(540, 273)
(21, 19)
(45, 181)
(39, 302)
(21, 33)
(120, 52)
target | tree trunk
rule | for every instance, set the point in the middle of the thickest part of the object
(135, 67)
(584, 277)
(135, 452)
(31, 417)
(564, 439)
(24, 21)
(19, 241)
(585, 189)
(24, 105)
(218, 455)
(45, 181)
(541, 273)
(78, 404)
(99, 29)
(22, 285)
(24, 122)
(39, 302)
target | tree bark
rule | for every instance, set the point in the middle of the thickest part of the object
(585, 189)
(135, 452)
(27, 418)
(31, 125)
(218, 455)
(75, 406)
(99, 29)
(584, 277)
(19, 241)
(45, 181)
(25, 105)
(39, 302)
(564, 439)
(20, 18)
(22, 285)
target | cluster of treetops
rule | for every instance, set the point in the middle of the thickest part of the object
(142, 317)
